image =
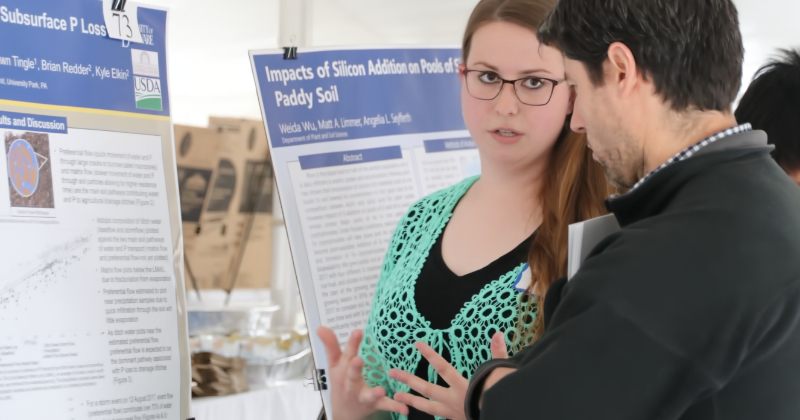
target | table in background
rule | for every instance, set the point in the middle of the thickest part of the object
(288, 401)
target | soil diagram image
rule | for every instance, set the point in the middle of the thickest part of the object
(30, 175)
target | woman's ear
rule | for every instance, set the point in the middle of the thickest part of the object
(461, 68)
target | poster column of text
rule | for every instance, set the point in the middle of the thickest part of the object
(350, 203)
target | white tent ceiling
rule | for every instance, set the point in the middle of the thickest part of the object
(208, 40)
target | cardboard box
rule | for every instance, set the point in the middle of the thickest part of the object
(245, 154)
(196, 155)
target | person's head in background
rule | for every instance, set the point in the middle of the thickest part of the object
(772, 103)
(651, 77)
(523, 127)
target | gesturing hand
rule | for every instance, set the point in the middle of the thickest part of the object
(351, 398)
(441, 401)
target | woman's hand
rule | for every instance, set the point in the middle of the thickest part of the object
(351, 398)
(443, 402)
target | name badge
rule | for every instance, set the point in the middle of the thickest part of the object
(524, 280)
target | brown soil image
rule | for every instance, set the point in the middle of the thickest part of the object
(42, 196)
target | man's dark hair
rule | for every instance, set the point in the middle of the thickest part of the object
(692, 49)
(772, 104)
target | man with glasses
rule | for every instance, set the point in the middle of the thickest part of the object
(692, 310)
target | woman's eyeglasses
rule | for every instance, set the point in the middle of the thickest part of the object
(486, 85)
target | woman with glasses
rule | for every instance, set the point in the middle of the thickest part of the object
(449, 295)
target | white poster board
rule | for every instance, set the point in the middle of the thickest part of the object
(357, 136)
(92, 321)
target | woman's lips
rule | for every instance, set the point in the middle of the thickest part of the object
(505, 135)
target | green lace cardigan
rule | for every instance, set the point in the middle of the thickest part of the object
(394, 324)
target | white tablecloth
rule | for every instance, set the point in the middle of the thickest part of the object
(291, 401)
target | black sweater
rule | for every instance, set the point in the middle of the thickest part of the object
(691, 311)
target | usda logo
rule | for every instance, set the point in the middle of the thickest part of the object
(148, 93)
(148, 88)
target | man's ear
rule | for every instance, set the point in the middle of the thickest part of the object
(620, 68)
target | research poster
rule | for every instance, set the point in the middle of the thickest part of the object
(91, 288)
(357, 136)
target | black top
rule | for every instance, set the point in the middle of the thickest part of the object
(440, 294)
(690, 312)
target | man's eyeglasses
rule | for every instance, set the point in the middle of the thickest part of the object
(486, 85)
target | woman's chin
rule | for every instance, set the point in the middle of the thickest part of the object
(508, 157)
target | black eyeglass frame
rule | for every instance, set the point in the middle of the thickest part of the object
(513, 83)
